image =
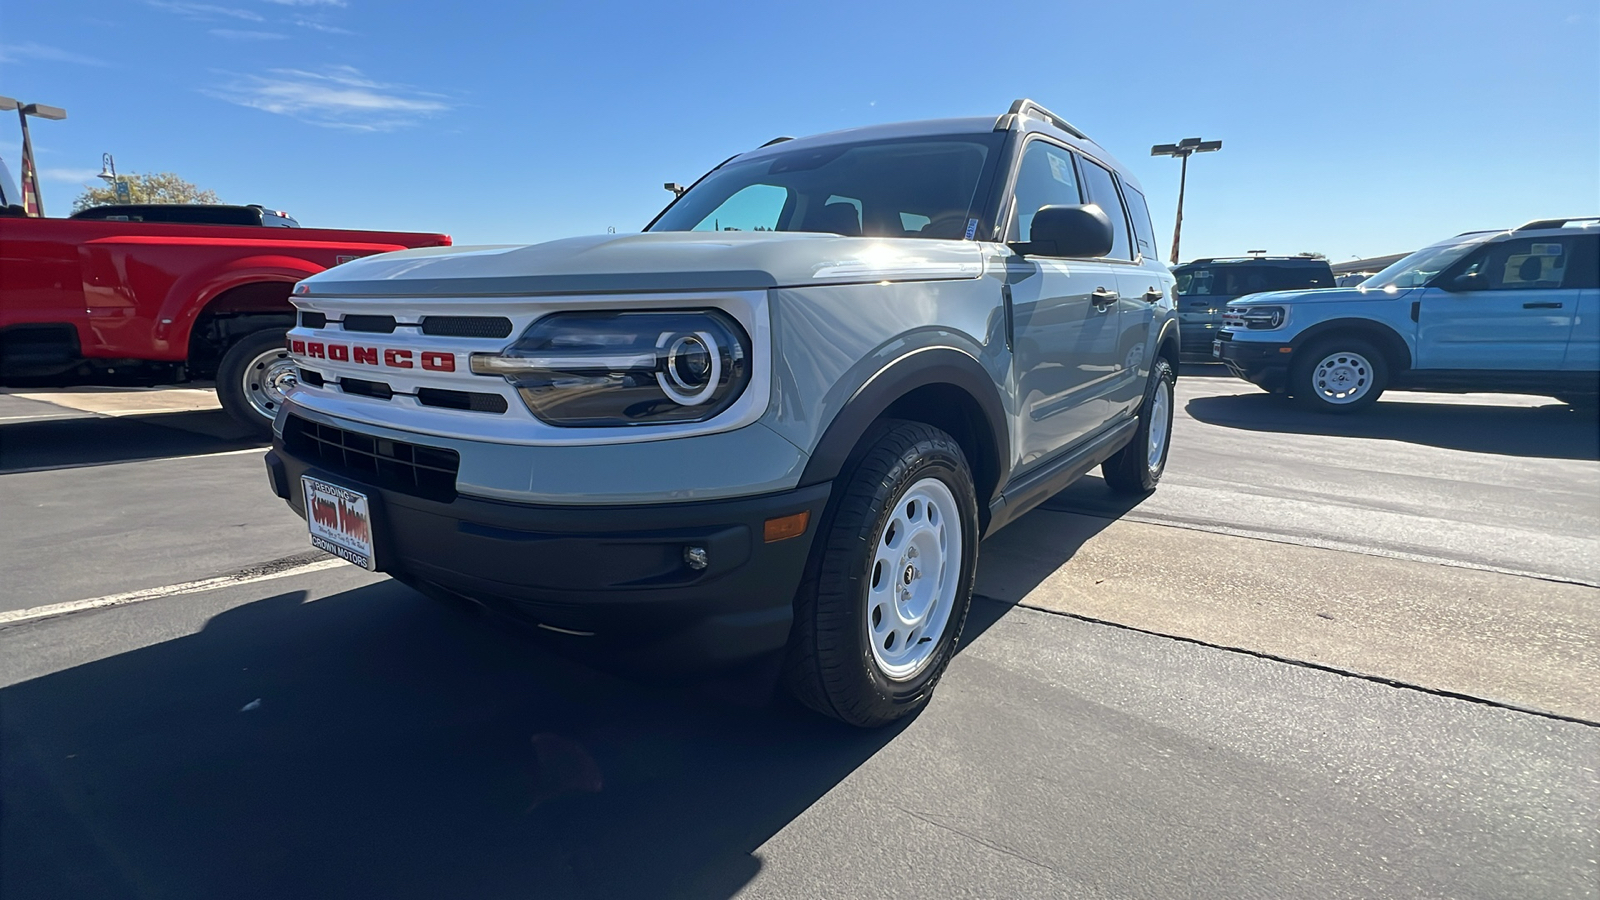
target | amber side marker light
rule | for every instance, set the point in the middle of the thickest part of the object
(785, 527)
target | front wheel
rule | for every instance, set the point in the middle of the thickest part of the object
(253, 378)
(880, 614)
(1341, 375)
(1137, 468)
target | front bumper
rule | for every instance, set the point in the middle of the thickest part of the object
(616, 574)
(1260, 363)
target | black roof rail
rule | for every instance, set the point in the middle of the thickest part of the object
(1479, 231)
(1555, 223)
(1026, 107)
(777, 140)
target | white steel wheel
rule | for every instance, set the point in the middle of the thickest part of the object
(1343, 378)
(915, 576)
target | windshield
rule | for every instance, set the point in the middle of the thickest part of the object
(925, 187)
(1420, 267)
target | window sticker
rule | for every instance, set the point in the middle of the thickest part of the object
(1060, 169)
(1546, 250)
(972, 228)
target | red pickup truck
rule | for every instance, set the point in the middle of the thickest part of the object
(142, 303)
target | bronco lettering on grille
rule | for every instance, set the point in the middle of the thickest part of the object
(394, 358)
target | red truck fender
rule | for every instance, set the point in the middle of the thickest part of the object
(192, 294)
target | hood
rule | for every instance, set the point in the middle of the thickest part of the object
(1320, 295)
(637, 263)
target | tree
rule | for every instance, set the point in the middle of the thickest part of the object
(162, 187)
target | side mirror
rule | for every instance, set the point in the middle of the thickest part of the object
(1078, 231)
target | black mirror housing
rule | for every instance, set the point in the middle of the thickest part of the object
(1076, 231)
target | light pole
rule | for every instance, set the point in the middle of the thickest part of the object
(108, 173)
(1183, 150)
(32, 204)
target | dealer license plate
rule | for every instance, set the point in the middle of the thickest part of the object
(340, 521)
(1216, 349)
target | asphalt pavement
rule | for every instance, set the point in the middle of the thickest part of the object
(1327, 658)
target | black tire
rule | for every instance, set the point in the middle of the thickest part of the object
(239, 370)
(1130, 472)
(830, 665)
(1363, 365)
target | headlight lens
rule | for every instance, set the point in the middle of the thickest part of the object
(599, 369)
(1256, 318)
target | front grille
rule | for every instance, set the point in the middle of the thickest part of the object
(428, 472)
(467, 326)
(371, 324)
(474, 401)
(376, 389)
(310, 319)
(312, 378)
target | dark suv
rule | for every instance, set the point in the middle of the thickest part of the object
(1206, 285)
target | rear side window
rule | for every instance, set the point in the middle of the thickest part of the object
(1139, 212)
(1103, 192)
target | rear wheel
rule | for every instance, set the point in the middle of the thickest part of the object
(254, 377)
(881, 612)
(1137, 468)
(1339, 375)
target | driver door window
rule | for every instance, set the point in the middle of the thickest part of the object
(1046, 177)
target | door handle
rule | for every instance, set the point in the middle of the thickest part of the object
(1153, 295)
(1542, 305)
(1102, 298)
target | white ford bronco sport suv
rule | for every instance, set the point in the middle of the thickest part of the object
(779, 420)
(1501, 311)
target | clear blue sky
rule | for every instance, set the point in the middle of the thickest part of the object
(1350, 128)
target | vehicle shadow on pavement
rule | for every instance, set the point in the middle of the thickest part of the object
(375, 743)
(1018, 558)
(97, 440)
(1550, 431)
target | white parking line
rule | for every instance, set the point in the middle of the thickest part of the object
(118, 462)
(38, 417)
(171, 590)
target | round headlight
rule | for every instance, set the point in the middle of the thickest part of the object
(693, 367)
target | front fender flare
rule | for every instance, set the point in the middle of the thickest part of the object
(936, 365)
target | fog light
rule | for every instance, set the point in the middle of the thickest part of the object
(696, 557)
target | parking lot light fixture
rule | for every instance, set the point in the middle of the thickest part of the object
(1183, 150)
(31, 202)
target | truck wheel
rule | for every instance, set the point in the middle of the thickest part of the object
(1137, 468)
(1339, 375)
(253, 378)
(885, 598)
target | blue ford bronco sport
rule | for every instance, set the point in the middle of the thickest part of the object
(780, 420)
(1500, 311)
